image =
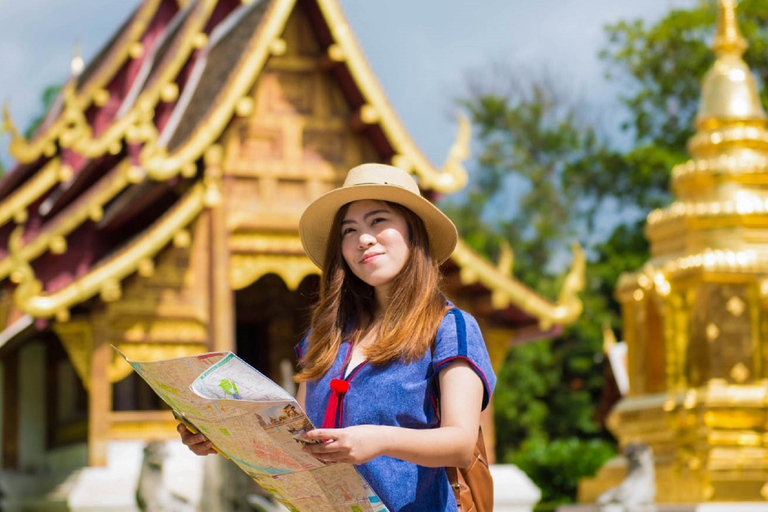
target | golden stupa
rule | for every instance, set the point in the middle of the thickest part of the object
(695, 317)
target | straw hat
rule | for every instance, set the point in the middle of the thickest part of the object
(383, 183)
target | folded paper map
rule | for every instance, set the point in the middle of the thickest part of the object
(258, 425)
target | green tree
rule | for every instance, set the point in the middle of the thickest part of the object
(539, 145)
(532, 137)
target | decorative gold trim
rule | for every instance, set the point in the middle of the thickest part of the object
(453, 177)
(67, 128)
(28, 193)
(137, 125)
(246, 269)
(160, 165)
(67, 221)
(506, 290)
(77, 338)
(261, 243)
(44, 143)
(28, 296)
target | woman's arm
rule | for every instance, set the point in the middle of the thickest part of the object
(301, 394)
(453, 444)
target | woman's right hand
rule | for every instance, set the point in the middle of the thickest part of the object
(197, 443)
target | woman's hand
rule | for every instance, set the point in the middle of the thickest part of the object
(197, 443)
(355, 445)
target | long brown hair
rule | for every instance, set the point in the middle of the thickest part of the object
(346, 305)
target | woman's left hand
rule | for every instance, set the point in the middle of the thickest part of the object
(355, 445)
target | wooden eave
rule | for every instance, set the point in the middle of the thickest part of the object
(89, 206)
(250, 35)
(159, 69)
(84, 91)
(106, 275)
(253, 34)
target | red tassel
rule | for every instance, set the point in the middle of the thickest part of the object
(339, 386)
(335, 402)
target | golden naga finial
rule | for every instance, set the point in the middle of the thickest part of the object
(569, 305)
(8, 124)
(506, 259)
(454, 175)
(728, 38)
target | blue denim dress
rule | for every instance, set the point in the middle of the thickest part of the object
(403, 395)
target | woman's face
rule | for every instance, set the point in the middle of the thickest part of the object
(374, 242)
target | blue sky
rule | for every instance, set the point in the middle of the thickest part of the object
(421, 51)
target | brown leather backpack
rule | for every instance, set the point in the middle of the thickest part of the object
(472, 485)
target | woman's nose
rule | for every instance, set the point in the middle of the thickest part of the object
(366, 240)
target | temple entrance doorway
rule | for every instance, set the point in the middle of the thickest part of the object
(270, 320)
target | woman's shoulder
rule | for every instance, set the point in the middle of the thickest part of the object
(458, 325)
(455, 317)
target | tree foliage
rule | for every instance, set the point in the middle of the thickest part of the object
(46, 99)
(546, 173)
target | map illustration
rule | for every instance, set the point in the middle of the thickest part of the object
(258, 425)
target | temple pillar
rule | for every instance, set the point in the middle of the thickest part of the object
(100, 392)
(222, 323)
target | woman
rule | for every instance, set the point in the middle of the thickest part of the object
(384, 340)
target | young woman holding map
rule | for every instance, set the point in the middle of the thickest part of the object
(396, 375)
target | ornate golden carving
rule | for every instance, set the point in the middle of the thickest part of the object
(71, 121)
(247, 269)
(28, 296)
(136, 126)
(506, 290)
(67, 128)
(740, 373)
(707, 271)
(161, 330)
(735, 306)
(28, 193)
(160, 165)
(77, 338)
(270, 243)
(69, 219)
(454, 175)
(712, 332)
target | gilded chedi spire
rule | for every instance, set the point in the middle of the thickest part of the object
(694, 316)
(729, 149)
(729, 92)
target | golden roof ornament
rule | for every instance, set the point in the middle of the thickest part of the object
(693, 316)
(729, 92)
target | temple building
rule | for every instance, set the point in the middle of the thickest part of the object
(156, 210)
(695, 317)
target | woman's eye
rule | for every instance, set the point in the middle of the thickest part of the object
(377, 220)
(346, 231)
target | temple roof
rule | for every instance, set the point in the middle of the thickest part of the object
(138, 129)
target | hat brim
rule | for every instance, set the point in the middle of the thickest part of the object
(316, 221)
